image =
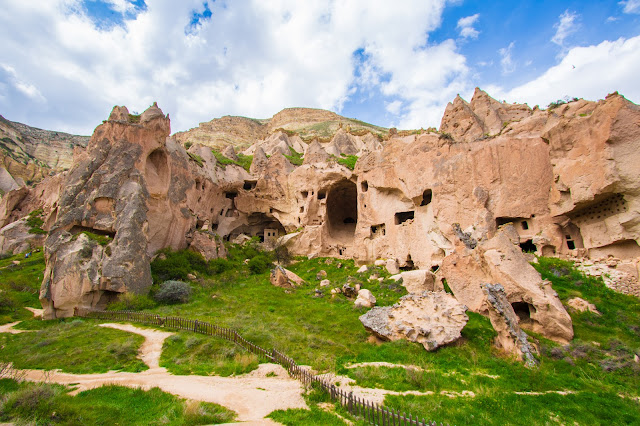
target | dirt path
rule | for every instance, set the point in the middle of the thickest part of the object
(8, 328)
(151, 349)
(252, 396)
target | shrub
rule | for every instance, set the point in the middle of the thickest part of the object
(349, 161)
(35, 222)
(195, 157)
(176, 265)
(131, 302)
(218, 266)
(172, 292)
(259, 264)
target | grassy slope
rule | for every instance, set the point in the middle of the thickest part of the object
(327, 334)
(20, 286)
(56, 346)
(598, 366)
(107, 405)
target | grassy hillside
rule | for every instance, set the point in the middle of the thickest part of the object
(593, 380)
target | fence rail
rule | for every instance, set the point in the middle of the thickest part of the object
(372, 413)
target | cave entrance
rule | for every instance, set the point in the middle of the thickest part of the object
(157, 172)
(523, 311)
(342, 210)
(528, 246)
(266, 227)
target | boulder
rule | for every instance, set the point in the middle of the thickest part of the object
(365, 299)
(419, 281)
(230, 153)
(16, 238)
(505, 321)
(432, 319)
(363, 269)
(325, 283)
(281, 277)
(582, 305)
(392, 266)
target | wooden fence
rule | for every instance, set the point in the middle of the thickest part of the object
(359, 407)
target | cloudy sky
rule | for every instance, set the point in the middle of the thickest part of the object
(65, 63)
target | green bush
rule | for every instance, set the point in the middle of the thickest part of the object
(131, 302)
(259, 264)
(176, 265)
(218, 266)
(172, 292)
(349, 161)
(35, 222)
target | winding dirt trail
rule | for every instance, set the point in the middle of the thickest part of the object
(253, 396)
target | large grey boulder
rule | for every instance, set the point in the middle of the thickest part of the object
(432, 319)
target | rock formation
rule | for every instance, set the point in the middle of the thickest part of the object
(432, 319)
(505, 321)
(463, 202)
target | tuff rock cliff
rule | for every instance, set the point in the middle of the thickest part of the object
(460, 204)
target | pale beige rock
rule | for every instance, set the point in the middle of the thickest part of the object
(582, 305)
(365, 299)
(207, 245)
(432, 319)
(392, 266)
(325, 283)
(419, 281)
(16, 238)
(363, 269)
(281, 277)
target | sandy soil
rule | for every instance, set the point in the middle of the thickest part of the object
(8, 328)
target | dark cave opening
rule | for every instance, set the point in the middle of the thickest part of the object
(342, 209)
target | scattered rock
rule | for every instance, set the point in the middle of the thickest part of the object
(419, 281)
(392, 266)
(325, 283)
(380, 262)
(432, 319)
(191, 277)
(349, 291)
(363, 269)
(321, 275)
(365, 299)
(281, 277)
(582, 305)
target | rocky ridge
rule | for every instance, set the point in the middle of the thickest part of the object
(461, 205)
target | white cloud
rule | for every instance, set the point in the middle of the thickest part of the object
(565, 27)
(251, 58)
(21, 86)
(506, 62)
(394, 107)
(590, 72)
(630, 6)
(465, 25)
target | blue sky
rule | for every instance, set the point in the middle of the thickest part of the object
(65, 63)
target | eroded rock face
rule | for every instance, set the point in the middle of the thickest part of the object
(123, 199)
(432, 319)
(505, 321)
(499, 259)
(281, 277)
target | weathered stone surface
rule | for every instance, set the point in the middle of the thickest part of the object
(499, 259)
(365, 299)
(505, 321)
(16, 238)
(392, 266)
(281, 277)
(432, 319)
(582, 305)
(207, 245)
(419, 281)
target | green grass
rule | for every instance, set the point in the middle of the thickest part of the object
(295, 158)
(107, 405)
(35, 222)
(57, 347)
(198, 159)
(244, 161)
(20, 286)
(188, 353)
(349, 161)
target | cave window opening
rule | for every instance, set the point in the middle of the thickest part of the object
(434, 268)
(378, 230)
(302, 209)
(408, 264)
(214, 226)
(341, 209)
(571, 245)
(427, 196)
(304, 194)
(322, 195)
(77, 229)
(525, 225)
(231, 195)
(364, 186)
(221, 212)
(528, 246)
(523, 311)
(249, 185)
(402, 217)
